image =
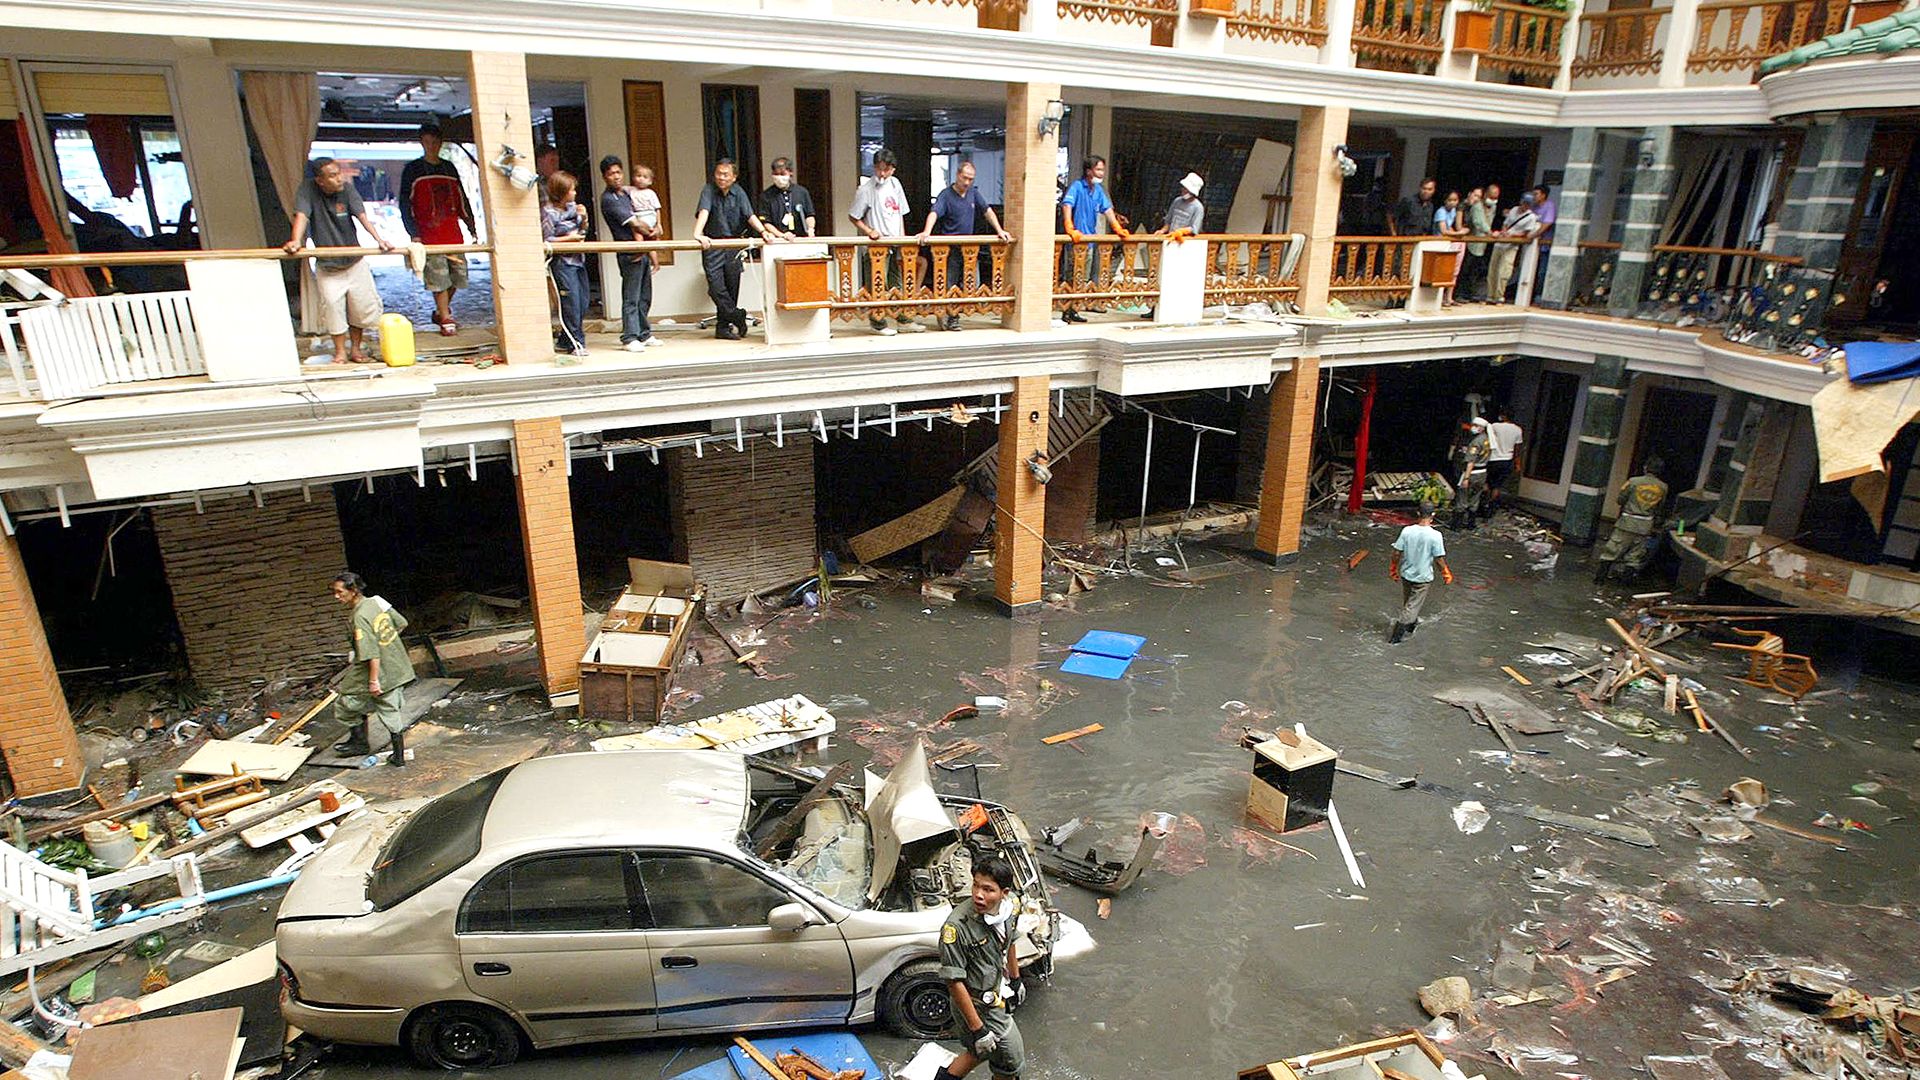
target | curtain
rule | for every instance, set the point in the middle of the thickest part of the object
(284, 109)
(68, 279)
(118, 154)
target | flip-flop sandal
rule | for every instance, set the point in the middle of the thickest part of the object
(449, 328)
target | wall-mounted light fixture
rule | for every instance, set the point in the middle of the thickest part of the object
(507, 164)
(1347, 165)
(1646, 152)
(1051, 118)
(1038, 466)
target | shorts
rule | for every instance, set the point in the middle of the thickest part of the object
(1010, 1056)
(348, 298)
(443, 272)
(1498, 473)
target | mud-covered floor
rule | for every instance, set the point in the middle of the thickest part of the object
(1235, 950)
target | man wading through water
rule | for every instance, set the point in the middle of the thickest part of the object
(1416, 552)
(977, 960)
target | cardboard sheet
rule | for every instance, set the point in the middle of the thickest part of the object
(220, 757)
(205, 1045)
(1853, 424)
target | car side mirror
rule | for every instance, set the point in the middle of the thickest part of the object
(790, 918)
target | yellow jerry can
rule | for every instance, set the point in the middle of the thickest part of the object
(396, 340)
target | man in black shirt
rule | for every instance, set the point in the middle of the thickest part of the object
(1414, 217)
(785, 205)
(725, 213)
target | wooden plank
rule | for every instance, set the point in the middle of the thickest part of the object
(1516, 676)
(305, 717)
(221, 757)
(759, 1058)
(1499, 729)
(198, 1044)
(790, 822)
(1378, 776)
(1074, 734)
(55, 828)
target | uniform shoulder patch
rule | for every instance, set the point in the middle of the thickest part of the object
(949, 934)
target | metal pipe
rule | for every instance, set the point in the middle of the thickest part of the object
(1146, 471)
(217, 895)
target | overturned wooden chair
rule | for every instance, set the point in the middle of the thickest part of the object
(1771, 666)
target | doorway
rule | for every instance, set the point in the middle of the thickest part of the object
(1463, 164)
(1674, 427)
(1870, 260)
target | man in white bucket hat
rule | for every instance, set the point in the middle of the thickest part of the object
(1187, 212)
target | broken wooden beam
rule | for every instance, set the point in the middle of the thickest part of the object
(1068, 736)
(1368, 772)
(789, 823)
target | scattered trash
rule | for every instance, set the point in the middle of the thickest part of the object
(1470, 817)
(1722, 830)
(1548, 659)
(1868, 787)
(1450, 996)
(1747, 791)
(1103, 654)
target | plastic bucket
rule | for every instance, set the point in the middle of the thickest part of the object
(396, 340)
(111, 842)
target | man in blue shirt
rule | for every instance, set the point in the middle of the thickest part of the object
(956, 212)
(1082, 209)
(1416, 552)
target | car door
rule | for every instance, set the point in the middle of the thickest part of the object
(716, 962)
(558, 939)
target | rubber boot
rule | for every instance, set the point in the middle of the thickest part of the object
(398, 759)
(1399, 631)
(1410, 627)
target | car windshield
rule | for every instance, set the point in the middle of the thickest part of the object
(834, 854)
(438, 839)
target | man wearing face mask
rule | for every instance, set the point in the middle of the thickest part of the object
(1082, 210)
(1187, 212)
(785, 204)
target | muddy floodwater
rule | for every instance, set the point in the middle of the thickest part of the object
(1236, 949)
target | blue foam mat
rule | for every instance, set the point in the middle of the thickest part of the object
(1108, 643)
(1100, 667)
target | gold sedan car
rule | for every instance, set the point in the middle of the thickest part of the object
(595, 896)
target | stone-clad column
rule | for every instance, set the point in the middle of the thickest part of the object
(1653, 180)
(1820, 194)
(1599, 439)
(1746, 497)
(1575, 204)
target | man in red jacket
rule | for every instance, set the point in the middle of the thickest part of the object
(433, 204)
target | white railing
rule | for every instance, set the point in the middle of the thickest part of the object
(88, 342)
(40, 905)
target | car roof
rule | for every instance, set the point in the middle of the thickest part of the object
(695, 797)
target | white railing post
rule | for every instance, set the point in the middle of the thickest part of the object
(1338, 50)
(1183, 281)
(791, 326)
(1683, 25)
(1529, 267)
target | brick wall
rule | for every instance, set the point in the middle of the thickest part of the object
(1289, 455)
(502, 117)
(1073, 496)
(553, 567)
(744, 520)
(1020, 503)
(250, 586)
(1250, 459)
(36, 733)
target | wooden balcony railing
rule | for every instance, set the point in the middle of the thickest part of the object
(1620, 42)
(1526, 43)
(1158, 15)
(1374, 267)
(1737, 34)
(1106, 270)
(1398, 35)
(1302, 22)
(895, 278)
(1251, 269)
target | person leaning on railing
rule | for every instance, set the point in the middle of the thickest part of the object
(327, 205)
(1519, 221)
(564, 221)
(956, 211)
(1478, 213)
(725, 213)
(879, 211)
(1082, 210)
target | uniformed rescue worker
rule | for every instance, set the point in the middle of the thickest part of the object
(1631, 544)
(371, 691)
(977, 960)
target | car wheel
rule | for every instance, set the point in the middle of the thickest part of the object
(915, 1003)
(462, 1037)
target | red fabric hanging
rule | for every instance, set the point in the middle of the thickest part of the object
(68, 279)
(114, 145)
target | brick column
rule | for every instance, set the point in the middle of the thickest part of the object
(1646, 211)
(1020, 503)
(1032, 205)
(1593, 457)
(36, 733)
(1746, 497)
(1283, 483)
(1316, 201)
(1575, 205)
(502, 118)
(546, 536)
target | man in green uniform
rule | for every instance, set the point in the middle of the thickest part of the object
(1631, 545)
(977, 960)
(372, 689)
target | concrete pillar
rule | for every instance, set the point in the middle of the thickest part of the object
(249, 585)
(36, 733)
(1031, 204)
(1576, 205)
(1316, 200)
(546, 537)
(1683, 24)
(1199, 33)
(1020, 502)
(1821, 191)
(1587, 493)
(1569, 44)
(1283, 482)
(502, 118)
(1653, 180)
(1746, 497)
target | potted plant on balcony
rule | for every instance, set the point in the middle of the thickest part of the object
(1473, 27)
(1866, 11)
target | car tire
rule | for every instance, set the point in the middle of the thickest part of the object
(462, 1036)
(915, 1004)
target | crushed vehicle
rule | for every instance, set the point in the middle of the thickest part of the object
(593, 896)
